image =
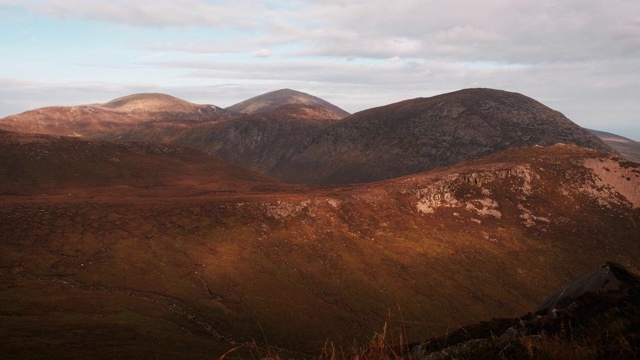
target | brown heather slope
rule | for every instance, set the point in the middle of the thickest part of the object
(115, 117)
(626, 147)
(175, 275)
(33, 164)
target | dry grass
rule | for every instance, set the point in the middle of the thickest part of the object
(526, 348)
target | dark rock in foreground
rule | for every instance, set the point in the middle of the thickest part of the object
(611, 277)
(595, 316)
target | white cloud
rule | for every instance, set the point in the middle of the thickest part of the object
(262, 53)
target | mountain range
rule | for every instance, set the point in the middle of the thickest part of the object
(460, 207)
(299, 138)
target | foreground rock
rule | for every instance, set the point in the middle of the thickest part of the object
(595, 316)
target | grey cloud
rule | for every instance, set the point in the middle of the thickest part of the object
(464, 30)
(505, 31)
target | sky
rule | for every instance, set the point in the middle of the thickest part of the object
(579, 57)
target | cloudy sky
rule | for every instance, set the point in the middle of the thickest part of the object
(579, 57)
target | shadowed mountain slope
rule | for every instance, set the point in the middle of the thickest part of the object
(626, 147)
(186, 276)
(112, 118)
(275, 99)
(254, 141)
(426, 133)
(259, 141)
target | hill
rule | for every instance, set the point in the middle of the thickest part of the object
(626, 147)
(275, 99)
(112, 118)
(33, 164)
(425, 133)
(156, 103)
(192, 274)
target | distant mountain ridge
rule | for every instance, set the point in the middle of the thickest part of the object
(153, 102)
(299, 138)
(628, 148)
(112, 118)
(384, 142)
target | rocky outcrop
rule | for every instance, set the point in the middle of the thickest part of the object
(611, 277)
(605, 296)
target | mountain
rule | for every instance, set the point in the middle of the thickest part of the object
(114, 117)
(425, 133)
(275, 99)
(193, 272)
(626, 147)
(158, 103)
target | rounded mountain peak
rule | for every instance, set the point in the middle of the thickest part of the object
(276, 99)
(420, 134)
(150, 102)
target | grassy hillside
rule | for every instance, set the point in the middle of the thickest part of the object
(185, 276)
